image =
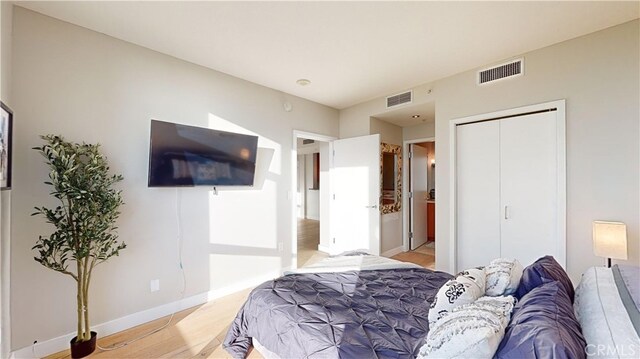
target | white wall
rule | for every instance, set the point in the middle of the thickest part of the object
(308, 148)
(356, 120)
(423, 130)
(311, 202)
(313, 195)
(390, 233)
(6, 20)
(598, 75)
(90, 87)
(389, 133)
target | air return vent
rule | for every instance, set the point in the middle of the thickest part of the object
(500, 72)
(307, 141)
(399, 99)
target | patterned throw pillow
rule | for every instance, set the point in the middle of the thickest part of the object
(503, 276)
(464, 289)
(477, 275)
(469, 331)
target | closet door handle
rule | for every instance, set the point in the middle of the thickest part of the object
(506, 212)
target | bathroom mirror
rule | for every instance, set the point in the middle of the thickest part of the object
(390, 178)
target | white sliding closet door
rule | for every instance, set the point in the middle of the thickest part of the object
(477, 193)
(528, 190)
(507, 190)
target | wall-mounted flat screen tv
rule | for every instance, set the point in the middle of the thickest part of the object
(182, 155)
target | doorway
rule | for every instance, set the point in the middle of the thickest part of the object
(308, 200)
(349, 184)
(420, 238)
(309, 197)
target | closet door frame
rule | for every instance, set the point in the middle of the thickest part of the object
(559, 107)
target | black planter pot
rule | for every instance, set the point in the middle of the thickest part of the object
(82, 349)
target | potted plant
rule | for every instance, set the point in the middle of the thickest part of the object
(84, 221)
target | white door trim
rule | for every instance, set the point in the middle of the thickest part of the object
(405, 188)
(294, 185)
(560, 106)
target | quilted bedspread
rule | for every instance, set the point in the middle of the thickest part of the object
(353, 314)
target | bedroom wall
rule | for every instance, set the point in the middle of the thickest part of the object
(598, 75)
(356, 120)
(389, 133)
(423, 130)
(6, 21)
(90, 87)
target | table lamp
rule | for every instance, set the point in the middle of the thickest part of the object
(610, 240)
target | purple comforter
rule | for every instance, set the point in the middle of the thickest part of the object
(365, 314)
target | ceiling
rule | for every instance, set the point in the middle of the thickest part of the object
(403, 116)
(351, 51)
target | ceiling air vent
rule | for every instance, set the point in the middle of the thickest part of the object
(500, 72)
(307, 141)
(399, 99)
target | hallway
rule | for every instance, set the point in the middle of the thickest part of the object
(308, 240)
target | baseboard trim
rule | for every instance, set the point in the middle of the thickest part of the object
(393, 252)
(324, 249)
(60, 343)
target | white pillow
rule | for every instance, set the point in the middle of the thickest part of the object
(477, 275)
(464, 289)
(469, 331)
(503, 276)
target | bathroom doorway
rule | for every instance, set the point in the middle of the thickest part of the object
(421, 198)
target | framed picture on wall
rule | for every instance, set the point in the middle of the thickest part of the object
(6, 122)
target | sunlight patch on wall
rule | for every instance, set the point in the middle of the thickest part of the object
(250, 217)
(225, 270)
(221, 124)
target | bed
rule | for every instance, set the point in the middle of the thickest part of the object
(361, 306)
(352, 306)
(607, 306)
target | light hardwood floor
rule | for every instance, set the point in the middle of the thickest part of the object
(423, 255)
(196, 332)
(308, 240)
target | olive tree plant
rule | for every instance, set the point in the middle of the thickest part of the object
(84, 219)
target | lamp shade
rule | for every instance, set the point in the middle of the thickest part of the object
(610, 239)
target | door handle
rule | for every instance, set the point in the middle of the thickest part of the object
(374, 206)
(506, 212)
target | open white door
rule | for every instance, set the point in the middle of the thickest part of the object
(417, 196)
(355, 184)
